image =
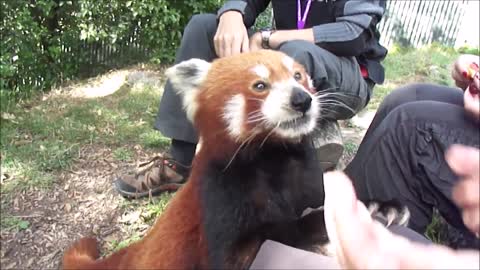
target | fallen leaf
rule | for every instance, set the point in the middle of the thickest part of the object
(131, 217)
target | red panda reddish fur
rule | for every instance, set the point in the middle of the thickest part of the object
(178, 239)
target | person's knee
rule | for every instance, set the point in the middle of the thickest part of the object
(402, 95)
(199, 24)
(414, 112)
(300, 50)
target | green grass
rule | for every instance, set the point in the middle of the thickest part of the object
(430, 64)
(122, 154)
(433, 229)
(41, 138)
(350, 148)
(10, 223)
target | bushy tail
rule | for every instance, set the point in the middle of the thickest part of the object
(81, 255)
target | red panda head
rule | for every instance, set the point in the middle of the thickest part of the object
(247, 96)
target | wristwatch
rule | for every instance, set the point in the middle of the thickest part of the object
(266, 33)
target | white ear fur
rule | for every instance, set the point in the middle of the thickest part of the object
(186, 78)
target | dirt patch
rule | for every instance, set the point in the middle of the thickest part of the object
(82, 202)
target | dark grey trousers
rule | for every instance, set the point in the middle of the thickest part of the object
(336, 74)
(402, 158)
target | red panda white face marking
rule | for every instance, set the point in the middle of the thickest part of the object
(288, 62)
(234, 115)
(261, 71)
(263, 92)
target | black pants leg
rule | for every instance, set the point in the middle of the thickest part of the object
(402, 154)
(197, 42)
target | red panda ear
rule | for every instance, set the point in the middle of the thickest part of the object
(188, 75)
(186, 79)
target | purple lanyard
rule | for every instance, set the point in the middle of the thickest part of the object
(301, 20)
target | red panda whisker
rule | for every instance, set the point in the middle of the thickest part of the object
(329, 94)
(337, 103)
(251, 140)
(250, 121)
(256, 120)
(269, 134)
(259, 113)
(254, 112)
(238, 149)
(257, 116)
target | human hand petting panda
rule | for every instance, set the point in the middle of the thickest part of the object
(231, 37)
(362, 243)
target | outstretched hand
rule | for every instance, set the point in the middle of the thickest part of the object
(362, 243)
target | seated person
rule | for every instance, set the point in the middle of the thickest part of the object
(402, 154)
(336, 41)
(421, 148)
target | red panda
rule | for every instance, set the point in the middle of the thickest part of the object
(255, 173)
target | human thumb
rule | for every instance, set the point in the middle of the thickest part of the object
(340, 200)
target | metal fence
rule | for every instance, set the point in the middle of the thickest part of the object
(417, 23)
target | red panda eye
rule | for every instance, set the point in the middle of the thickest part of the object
(260, 86)
(297, 76)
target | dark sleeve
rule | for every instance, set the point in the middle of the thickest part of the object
(250, 9)
(355, 26)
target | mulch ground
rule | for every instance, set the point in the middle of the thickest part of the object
(82, 202)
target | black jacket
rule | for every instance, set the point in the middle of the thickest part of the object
(343, 27)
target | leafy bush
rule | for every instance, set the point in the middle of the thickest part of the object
(43, 42)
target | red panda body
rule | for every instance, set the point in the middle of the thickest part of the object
(254, 174)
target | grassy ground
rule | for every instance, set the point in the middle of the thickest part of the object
(402, 66)
(42, 137)
(45, 138)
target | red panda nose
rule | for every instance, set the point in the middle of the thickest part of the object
(300, 100)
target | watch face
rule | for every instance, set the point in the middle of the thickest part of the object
(265, 39)
(265, 34)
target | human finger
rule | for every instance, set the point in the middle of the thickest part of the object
(245, 43)
(466, 193)
(463, 160)
(471, 218)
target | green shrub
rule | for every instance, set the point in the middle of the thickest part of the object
(44, 42)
